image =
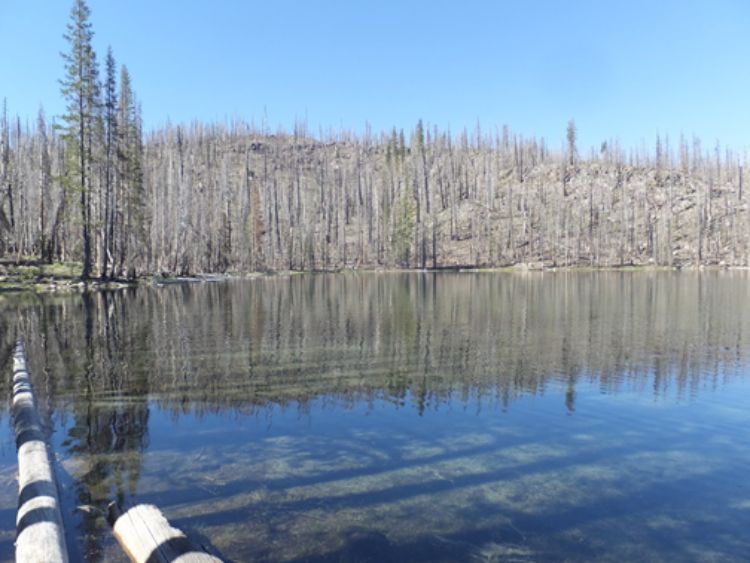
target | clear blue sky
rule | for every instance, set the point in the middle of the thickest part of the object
(628, 69)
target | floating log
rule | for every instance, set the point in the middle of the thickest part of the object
(39, 529)
(147, 537)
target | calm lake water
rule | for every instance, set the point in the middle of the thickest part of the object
(401, 417)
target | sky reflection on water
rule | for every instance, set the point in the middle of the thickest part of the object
(403, 417)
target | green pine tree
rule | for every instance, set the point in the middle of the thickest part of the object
(80, 88)
(131, 196)
(110, 150)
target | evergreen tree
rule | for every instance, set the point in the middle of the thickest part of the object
(137, 194)
(130, 189)
(571, 137)
(80, 88)
(110, 149)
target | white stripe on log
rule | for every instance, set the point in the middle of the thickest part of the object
(39, 527)
(146, 536)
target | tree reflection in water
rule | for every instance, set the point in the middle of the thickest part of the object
(103, 363)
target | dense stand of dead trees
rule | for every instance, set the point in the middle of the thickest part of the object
(233, 197)
(218, 197)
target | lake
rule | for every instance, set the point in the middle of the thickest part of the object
(400, 416)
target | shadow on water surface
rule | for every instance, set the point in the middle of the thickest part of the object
(331, 418)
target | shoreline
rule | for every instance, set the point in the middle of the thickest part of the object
(59, 278)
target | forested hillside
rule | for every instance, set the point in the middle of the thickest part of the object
(94, 188)
(234, 197)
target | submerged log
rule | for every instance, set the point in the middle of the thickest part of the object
(146, 536)
(39, 528)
